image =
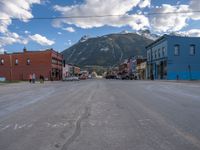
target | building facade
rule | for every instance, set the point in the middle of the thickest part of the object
(70, 70)
(134, 62)
(142, 70)
(19, 66)
(174, 57)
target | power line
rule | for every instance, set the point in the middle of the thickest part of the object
(166, 13)
(100, 16)
(63, 17)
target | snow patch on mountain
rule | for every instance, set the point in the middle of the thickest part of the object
(104, 49)
(84, 38)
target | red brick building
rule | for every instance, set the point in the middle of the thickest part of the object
(18, 66)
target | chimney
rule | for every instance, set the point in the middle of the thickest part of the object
(24, 50)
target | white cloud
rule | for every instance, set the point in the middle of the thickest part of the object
(2, 50)
(68, 43)
(161, 23)
(195, 6)
(145, 3)
(97, 7)
(69, 29)
(190, 33)
(172, 21)
(10, 38)
(42, 40)
(59, 33)
(27, 32)
(20, 9)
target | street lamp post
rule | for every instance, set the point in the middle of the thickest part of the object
(10, 56)
(189, 69)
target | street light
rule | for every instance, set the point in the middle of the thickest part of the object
(10, 56)
(189, 69)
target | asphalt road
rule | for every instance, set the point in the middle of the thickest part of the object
(100, 115)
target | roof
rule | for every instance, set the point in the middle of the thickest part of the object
(165, 36)
(36, 51)
(156, 41)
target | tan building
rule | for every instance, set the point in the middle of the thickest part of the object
(142, 70)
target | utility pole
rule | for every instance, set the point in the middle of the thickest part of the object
(10, 56)
(190, 75)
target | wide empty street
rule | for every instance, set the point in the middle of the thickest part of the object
(100, 115)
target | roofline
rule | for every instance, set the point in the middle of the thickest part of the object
(73, 65)
(156, 41)
(165, 36)
(32, 51)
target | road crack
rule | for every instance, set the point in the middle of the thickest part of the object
(77, 130)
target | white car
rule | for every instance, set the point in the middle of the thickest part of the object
(71, 78)
(2, 79)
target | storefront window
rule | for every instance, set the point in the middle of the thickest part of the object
(192, 50)
(2, 61)
(16, 61)
(28, 61)
(176, 50)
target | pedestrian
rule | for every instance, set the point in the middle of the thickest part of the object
(30, 78)
(152, 76)
(41, 79)
(33, 78)
(177, 77)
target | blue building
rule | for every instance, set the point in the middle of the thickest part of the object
(174, 57)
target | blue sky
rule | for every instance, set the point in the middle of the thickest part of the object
(63, 33)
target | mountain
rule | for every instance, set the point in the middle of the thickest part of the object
(108, 50)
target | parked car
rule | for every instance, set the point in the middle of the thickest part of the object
(71, 78)
(83, 77)
(2, 79)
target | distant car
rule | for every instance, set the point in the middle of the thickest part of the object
(111, 77)
(2, 79)
(118, 77)
(83, 77)
(71, 79)
(89, 76)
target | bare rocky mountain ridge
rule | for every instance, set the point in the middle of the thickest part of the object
(108, 50)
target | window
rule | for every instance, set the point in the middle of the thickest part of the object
(155, 54)
(159, 53)
(16, 61)
(163, 51)
(28, 61)
(176, 50)
(54, 61)
(2, 61)
(149, 56)
(192, 50)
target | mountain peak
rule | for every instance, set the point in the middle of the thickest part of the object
(107, 50)
(125, 32)
(147, 33)
(84, 38)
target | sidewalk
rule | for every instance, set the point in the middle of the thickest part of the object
(178, 81)
(174, 81)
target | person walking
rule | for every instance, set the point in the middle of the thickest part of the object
(33, 78)
(30, 78)
(41, 79)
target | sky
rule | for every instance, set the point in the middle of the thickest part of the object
(19, 26)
